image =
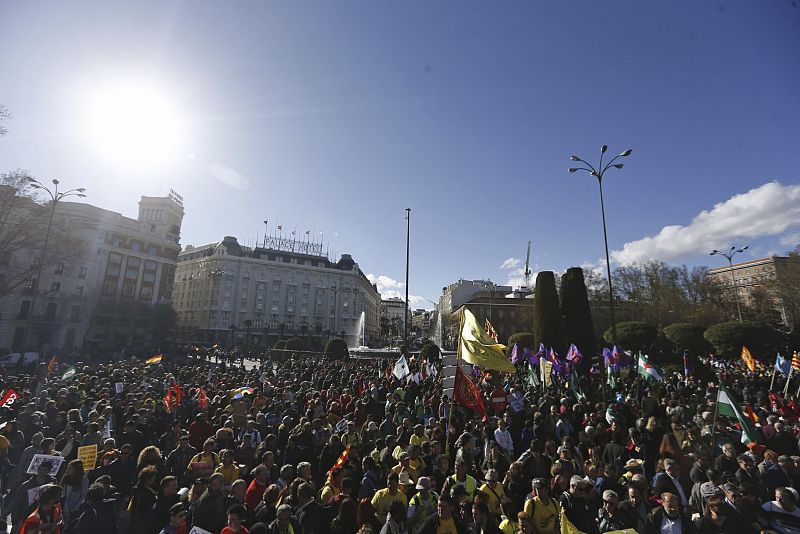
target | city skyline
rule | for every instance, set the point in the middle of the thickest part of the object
(339, 117)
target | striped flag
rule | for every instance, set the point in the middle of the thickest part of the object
(490, 330)
(340, 461)
(795, 361)
(727, 406)
(748, 360)
(155, 359)
(650, 371)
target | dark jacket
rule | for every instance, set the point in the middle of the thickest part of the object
(209, 511)
(580, 512)
(273, 527)
(657, 515)
(140, 508)
(96, 518)
(432, 524)
(313, 519)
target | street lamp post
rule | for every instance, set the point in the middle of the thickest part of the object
(405, 312)
(599, 175)
(729, 256)
(56, 196)
(214, 274)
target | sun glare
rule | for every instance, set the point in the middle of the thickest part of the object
(133, 125)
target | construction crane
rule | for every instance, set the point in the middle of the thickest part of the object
(528, 266)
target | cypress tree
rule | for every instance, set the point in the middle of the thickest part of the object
(546, 314)
(577, 314)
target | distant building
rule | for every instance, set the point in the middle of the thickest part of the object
(423, 323)
(225, 292)
(392, 319)
(461, 291)
(508, 314)
(763, 273)
(128, 262)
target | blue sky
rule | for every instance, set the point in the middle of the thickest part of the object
(339, 115)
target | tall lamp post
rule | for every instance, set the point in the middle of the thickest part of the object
(405, 312)
(213, 274)
(598, 173)
(56, 196)
(729, 256)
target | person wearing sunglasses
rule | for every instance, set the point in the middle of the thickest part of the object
(177, 520)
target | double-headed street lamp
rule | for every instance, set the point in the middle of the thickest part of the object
(599, 175)
(729, 256)
(56, 196)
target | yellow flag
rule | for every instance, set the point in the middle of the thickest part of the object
(748, 359)
(566, 525)
(479, 349)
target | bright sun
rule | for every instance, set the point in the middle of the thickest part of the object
(133, 125)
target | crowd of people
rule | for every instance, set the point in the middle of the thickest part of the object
(310, 446)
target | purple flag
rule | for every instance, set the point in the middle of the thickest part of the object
(574, 356)
(527, 354)
(514, 355)
(608, 358)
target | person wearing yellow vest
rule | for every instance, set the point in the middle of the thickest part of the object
(284, 522)
(228, 469)
(542, 509)
(461, 478)
(494, 491)
(422, 505)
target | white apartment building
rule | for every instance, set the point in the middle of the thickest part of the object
(461, 291)
(124, 260)
(225, 292)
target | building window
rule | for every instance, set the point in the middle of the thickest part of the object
(55, 287)
(128, 290)
(24, 309)
(146, 292)
(82, 273)
(30, 283)
(113, 257)
(59, 268)
(131, 274)
(78, 291)
(75, 314)
(150, 265)
(246, 282)
(149, 277)
(136, 247)
(50, 313)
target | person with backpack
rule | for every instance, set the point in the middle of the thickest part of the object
(543, 510)
(96, 514)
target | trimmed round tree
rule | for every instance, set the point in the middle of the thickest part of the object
(577, 314)
(523, 340)
(686, 336)
(634, 336)
(294, 343)
(430, 351)
(547, 328)
(729, 338)
(336, 349)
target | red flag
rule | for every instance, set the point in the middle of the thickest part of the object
(751, 414)
(9, 399)
(466, 393)
(202, 399)
(773, 402)
(178, 392)
(168, 399)
(52, 365)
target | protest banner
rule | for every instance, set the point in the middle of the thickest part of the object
(39, 458)
(120, 387)
(88, 456)
(198, 530)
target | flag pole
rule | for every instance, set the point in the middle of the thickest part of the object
(772, 382)
(788, 379)
(453, 393)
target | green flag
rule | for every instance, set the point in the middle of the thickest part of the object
(730, 408)
(69, 374)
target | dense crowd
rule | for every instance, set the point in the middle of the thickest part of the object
(308, 446)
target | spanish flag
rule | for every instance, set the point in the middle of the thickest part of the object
(478, 348)
(340, 460)
(155, 359)
(748, 360)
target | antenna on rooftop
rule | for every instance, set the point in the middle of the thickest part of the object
(528, 267)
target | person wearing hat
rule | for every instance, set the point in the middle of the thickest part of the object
(494, 491)
(177, 520)
(405, 483)
(418, 437)
(577, 505)
(422, 505)
(543, 510)
(405, 466)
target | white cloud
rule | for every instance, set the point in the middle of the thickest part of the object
(767, 210)
(389, 288)
(511, 263)
(228, 176)
(790, 240)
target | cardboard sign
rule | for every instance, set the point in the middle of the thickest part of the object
(39, 458)
(88, 456)
(239, 413)
(119, 387)
(201, 469)
(517, 401)
(33, 493)
(198, 530)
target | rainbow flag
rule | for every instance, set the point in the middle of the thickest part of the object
(155, 359)
(241, 392)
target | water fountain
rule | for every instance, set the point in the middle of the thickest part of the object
(437, 331)
(359, 334)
